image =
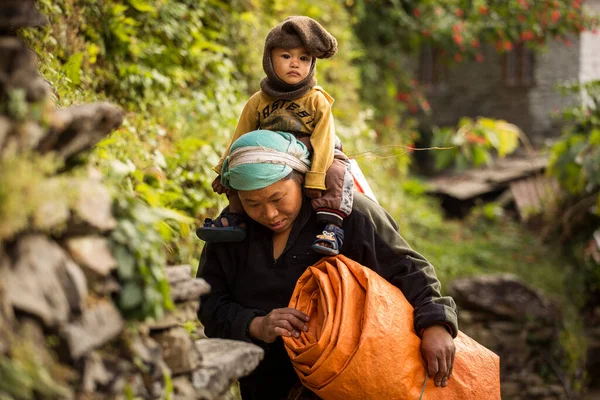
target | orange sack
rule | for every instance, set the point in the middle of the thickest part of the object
(361, 342)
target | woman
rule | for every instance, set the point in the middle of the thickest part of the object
(252, 281)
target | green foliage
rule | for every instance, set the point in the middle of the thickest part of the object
(24, 184)
(25, 377)
(575, 163)
(575, 158)
(474, 143)
(137, 245)
(183, 69)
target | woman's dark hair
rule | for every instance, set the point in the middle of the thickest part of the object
(295, 175)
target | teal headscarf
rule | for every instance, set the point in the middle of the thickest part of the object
(260, 158)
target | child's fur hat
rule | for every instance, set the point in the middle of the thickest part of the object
(296, 31)
(300, 31)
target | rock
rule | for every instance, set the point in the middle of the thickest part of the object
(138, 387)
(178, 273)
(183, 285)
(556, 389)
(536, 392)
(75, 286)
(30, 134)
(33, 284)
(5, 128)
(504, 295)
(52, 210)
(16, 14)
(94, 205)
(94, 373)
(29, 349)
(505, 327)
(105, 287)
(149, 352)
(183, 389)
(97, 326)
(18, 70)
(510, 389)
(183, 312)
(6, 312)
(191, 289)
(222, 362)
(79, 128)
(92, 253)
(178, 350)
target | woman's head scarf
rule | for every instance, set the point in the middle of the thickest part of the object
(260, 158)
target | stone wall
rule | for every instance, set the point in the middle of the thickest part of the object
(61, 334)
(525, 328)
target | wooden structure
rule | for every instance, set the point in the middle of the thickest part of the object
(519, 179)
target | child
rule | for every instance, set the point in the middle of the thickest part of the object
(290, 101)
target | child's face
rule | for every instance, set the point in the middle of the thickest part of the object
(291, 65)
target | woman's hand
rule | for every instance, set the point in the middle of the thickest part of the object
(437, 348)
(279, 322)
(314, 193)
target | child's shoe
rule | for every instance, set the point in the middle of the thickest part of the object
(329, 241)
(214, 231)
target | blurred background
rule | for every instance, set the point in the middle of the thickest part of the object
(475, 122)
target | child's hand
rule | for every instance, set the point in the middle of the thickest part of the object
(217, 186)
(314, 193)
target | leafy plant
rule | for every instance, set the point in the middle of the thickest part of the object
(137, 245)
(575, 163)
(474, 143)
(575, 158)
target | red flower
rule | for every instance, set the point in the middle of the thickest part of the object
(524, 4)
(458, 57)
(457, 38)
(527, 35)
(568, 42)
(508, 46)
(555, 15)
(475, 43)
(483, 10)
(416, 12)
(479, 57)
(402, 96)
(459, 13)
(426, 33)
(521, 18)
(412, 108)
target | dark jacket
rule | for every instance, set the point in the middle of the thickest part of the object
(246, 281)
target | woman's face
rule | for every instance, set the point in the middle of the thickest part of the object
(275, 206)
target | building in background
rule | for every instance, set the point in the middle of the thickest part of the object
(519, 86)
